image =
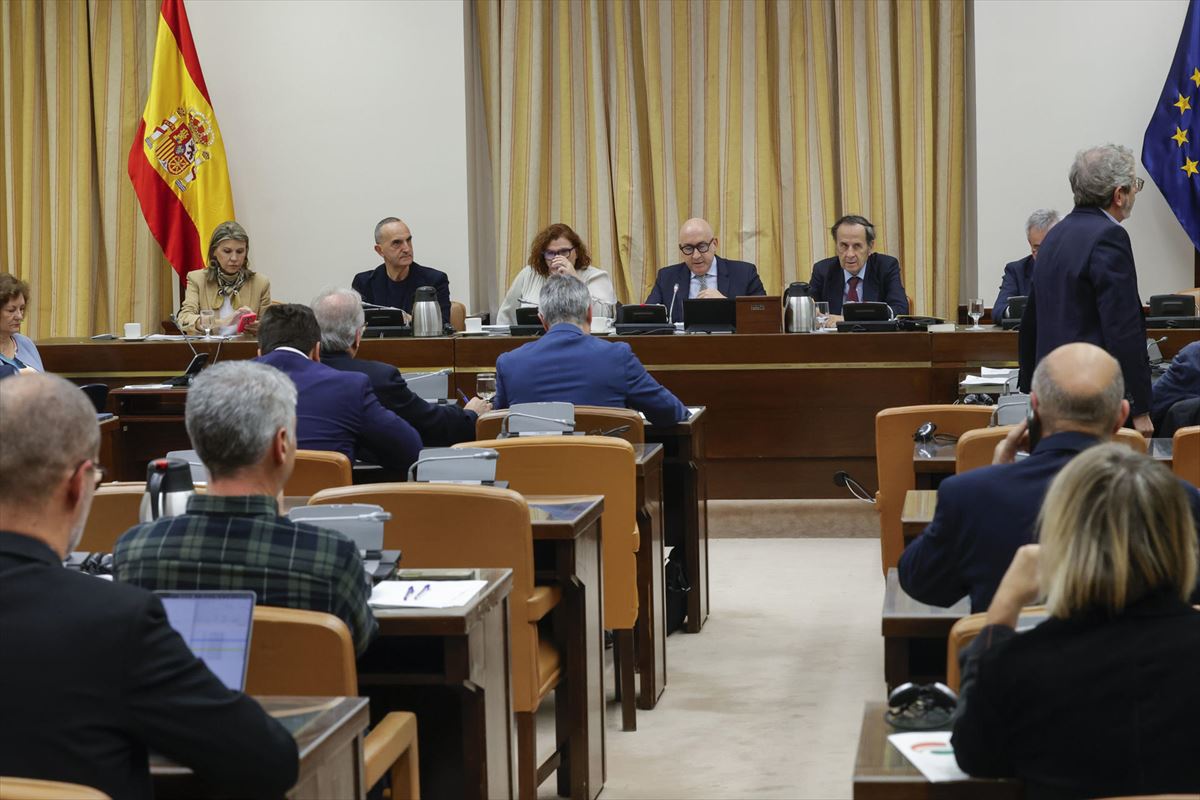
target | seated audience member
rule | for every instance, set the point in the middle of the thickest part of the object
(1102, 698)
(702, 274)
(557, 250)
(857, 273)
(984, 515)
(336, 410)
(227, 286)
(17, 351)
(1018, 275)
(395, 282)
(233, 537)
(340, 315)
(94, 675)
(1180, 382)
(568, 364)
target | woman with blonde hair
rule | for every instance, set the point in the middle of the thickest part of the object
(227, 287)
(1102, 698)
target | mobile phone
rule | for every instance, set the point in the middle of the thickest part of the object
(245, 320)
(1033, 427)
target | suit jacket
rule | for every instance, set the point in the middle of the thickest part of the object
(96, 676)
(1018, 277)
(1086, 289)
(734, 279)
(439, 425)
(376, 287)
(982, 517)
(1089, 706)
(255, 294)
(568, 365)
(337, 411)
(1181, 381)
(881, 283)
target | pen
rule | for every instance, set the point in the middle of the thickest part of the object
(423, 591)
(465, 399)
(408, 593)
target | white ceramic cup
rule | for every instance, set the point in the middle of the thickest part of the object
(474, 324)
(133, 330)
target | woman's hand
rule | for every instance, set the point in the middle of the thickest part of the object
(561, 266)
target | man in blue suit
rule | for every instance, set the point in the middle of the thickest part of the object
(335, 410)
(1181, 381)
(1018, 275)
(703, 274)
(985, 514)
(568, 364)
(1085, 286)
(340, 315)
(857, 273)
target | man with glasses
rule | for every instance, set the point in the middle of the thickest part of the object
(1085, 285)
(702, 274)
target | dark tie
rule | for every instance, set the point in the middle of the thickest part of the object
(852, 295)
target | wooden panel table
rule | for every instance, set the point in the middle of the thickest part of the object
(110, 446)
(914, 635)
(881, 772)
(919, 505)
(152, 425)
(451, 667)
(652, 593)
(329, 736)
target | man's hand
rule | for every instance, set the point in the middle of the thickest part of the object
(478, 405)
(709, 294)
(1017, 439)
(832, 320)
(1142, 424)
(406, 317)
(1019, 587)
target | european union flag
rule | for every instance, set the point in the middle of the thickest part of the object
(1171, 147)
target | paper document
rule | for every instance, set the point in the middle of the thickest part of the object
(424, 594)
(998, 372)
(931, 753)
(983, 380)
(148, 386)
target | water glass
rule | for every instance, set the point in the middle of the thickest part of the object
(485, 385)
(975, 312)
(822, 307)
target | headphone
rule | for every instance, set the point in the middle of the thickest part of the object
(921, 706)
(925, 434)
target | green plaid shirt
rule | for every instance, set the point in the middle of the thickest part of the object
(240, 543)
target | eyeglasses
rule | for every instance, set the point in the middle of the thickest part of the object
(98, 472)
(703, 247)
(1138, 183)
(550, 255)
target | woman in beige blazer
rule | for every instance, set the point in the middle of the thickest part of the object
(227, 286)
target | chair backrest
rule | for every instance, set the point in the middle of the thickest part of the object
(568, 465)
(1185, 458)
(450, 525)
(458, 316)
(316, 470)
(893, 457)
(975, 447)
(963, 633)
(115, 509)
(98, 394)
(590, 418)
(487, 426)
(33, 789)
(302, 653)
(1133, 440)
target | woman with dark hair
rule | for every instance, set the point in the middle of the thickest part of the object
(557, 250)
(17, 352)
(227, 289)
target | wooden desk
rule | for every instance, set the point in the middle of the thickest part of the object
(451, 668)
(881, 772)
(151, 425)
(329, 736)
(932, 462)
(914, 635)
(651, 633)
(919, 505)
(110, 446)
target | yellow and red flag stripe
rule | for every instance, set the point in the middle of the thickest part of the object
(177, 159)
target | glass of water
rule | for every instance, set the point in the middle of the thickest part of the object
(485, 385)
(822, 313)
(206, 320)
(975, 312)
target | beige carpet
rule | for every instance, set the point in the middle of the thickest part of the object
(791, 519)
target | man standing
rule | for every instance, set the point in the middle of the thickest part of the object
(340, 315)
(703, 274)
(1085, 287)
(1018, 275)
(857, 273)
(94, 674)
(568, 364)
(395, 281)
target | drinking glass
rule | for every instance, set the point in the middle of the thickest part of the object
(975, 312)
(206, 320)
(485, 385)
(822, 313)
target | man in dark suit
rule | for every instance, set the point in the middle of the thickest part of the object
(985, 514)
(703, 274)
(1018, 275)
(336, 410)
(857, 273)
(568, 364)
(1085, 287)
(94, 674)
(1181, 381)
(395, 281)
(340, 315)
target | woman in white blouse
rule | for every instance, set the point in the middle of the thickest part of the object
(557, 250)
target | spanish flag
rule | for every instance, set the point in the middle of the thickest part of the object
(177, 159)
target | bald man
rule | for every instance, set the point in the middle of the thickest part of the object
(395, 281)
(702, 274)
(983, 516)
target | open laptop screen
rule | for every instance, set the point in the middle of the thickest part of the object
(216, 626)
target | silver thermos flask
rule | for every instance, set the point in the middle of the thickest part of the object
(426, 314)
(168, 487)
(799, 310)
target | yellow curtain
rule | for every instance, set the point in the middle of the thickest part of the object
(770, 118)
(73, 80)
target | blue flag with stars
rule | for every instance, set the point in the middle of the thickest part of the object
(1171, 147)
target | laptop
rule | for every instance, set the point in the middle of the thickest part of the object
(718, 315)
(216, 626)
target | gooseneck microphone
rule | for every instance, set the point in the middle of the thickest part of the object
(671, 313)
(568, 425)
(485, 455)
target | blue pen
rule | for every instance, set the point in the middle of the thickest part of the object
(408, 593)
(423, 591)
(465, 399)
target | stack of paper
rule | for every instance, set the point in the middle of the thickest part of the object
(424, 594)
(931, 753)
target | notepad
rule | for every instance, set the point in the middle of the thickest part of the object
(424, 594)
(931, 753)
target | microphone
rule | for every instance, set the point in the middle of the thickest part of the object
(480, 455)
(568, 425)
(186, 339)
(671, 313)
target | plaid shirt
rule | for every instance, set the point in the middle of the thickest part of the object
(240, 543)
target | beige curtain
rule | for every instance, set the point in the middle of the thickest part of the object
(770, 118)
(73, 81)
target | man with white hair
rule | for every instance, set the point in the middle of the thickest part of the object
(1018, 275)
(95, 676)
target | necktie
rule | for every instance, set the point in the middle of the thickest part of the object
(703, 281)
(852, 295)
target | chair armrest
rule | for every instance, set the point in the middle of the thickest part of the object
(386, 742)
(541, 601)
